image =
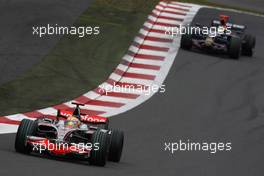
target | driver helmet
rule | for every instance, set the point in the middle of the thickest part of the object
(72, 122)
(224, 19)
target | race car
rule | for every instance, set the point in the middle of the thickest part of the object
(228, 38)
(72, 135)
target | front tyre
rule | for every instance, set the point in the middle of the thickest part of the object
(186, 41)
(26, 128)
(116, 145)
(249, 43)
(99, 153)
(235, 48)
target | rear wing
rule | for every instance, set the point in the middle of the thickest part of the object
(84, 117)
(234, 27)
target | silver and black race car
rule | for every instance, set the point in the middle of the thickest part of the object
(227, 38)
(75, 136)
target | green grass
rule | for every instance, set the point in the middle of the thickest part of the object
(77, 65)
(208, 3)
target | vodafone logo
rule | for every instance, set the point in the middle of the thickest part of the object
(86, 118)
(65, 113)
(95, 119)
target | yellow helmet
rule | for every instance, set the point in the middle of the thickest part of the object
(72, 122)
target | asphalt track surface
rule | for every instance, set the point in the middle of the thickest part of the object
(19, 49)
(208, 98)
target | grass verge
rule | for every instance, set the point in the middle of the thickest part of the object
(213, 4)
(77, 65)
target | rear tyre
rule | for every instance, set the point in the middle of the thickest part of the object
(116, 145)
(98, 155)
(26, 128)
(248, 45)
(186, 41)
(235, 48)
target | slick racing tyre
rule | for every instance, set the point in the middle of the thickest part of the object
(26, 128)
(186, 41)
(235, 48)
(116, 145)
(99, 154)
(249, 43)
